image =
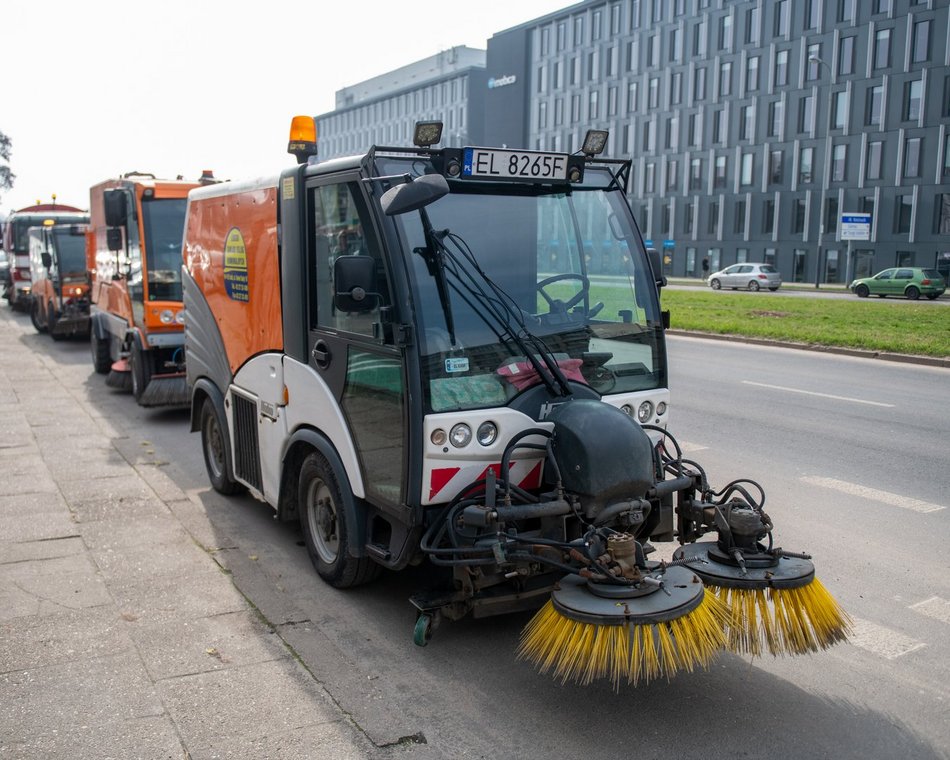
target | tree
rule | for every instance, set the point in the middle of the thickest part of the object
(6, 176)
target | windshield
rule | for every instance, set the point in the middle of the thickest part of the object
(22, 224)
(70, 250)
(573, 272)
(164, 223)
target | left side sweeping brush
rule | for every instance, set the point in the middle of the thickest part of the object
(624, 619)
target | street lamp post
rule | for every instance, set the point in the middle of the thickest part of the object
(824, 170)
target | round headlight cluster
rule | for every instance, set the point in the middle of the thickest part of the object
(661, 409)
(460, 435)
(487, 433)
(167, 316)
(180, 317)
(645, 411)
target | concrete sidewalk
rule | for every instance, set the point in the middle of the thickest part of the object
(120, 636)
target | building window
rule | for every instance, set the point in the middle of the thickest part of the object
(653, 93)
(653, 50)
(752, 74)
(676, 88)
(650, 178)
(946, 155)
(718, 126)
(752, 26)
(545, 41)
(874, 160)
(612, 101)
(593, 65)
(672, 133)
(747, 123)
(695, 132)
(666, 218)
(805, 159)
(738, 224)
(882, 6)
(699, 39)
(806, 112)
(713, 226)
(649, 141)
(725, 32)
(811, 71)
(746, 169)
(696, 174)
(611, 62)
(776, 161)
(798, 217)
(781, 18)
(846, 10)
(633, 91)
(839, 160)
(676, 45)
(882, 48)
(912, 157)
(719, 173)
(768, 216)
(781, 68)
(596, 21)
(725, 79)
(902, 212)
(776, 118)
(875, 105)
(699, 84)
(672, 175)
(578, 31)
(542, 115)
(812, 14)
(840, 115)
(656, 15)
(913, 91)
(921, 43)
(688, 219)
(945, 111)
(846, 56)
(633, 54)
(634, 14)
(615, 18)
(558, 112)
(575, 108)
(942, 214)
(561, 36)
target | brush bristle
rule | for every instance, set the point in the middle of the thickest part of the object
(584, 652)
(782, 621)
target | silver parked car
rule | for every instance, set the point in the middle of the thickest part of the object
(750, 276)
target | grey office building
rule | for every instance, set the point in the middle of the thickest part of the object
(752, 125)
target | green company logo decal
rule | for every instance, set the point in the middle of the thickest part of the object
(235, 266)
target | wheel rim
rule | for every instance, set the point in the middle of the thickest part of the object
(753, 286)
(715, 284)
(214, 445)
(322, 521)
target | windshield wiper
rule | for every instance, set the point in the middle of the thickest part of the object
(433, 254)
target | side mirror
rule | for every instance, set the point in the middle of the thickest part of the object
(115, 208)
(46, 259)
(114, 238)
(656, 265)
(413, 195)
(354, 281)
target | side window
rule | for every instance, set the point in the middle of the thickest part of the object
(885, 275)
(903, 274)
(339, 230)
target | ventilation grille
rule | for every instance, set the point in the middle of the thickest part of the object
(247, 460)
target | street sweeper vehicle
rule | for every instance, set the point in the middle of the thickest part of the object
(416, 353)
(134, 252)
(60, 297)
(17, 246)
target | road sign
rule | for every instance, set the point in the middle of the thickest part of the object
(855, 226)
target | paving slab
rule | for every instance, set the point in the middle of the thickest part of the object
(170, 600)
(16, 552)
(128, 531)
(140, 563)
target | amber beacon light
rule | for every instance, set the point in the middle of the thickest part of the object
(303, 138)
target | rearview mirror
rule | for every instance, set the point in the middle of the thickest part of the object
(114, 238)
(46, 259)
(413, 195)
(656, 266)
(354, 282)
(113, 202)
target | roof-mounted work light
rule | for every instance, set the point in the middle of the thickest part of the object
(303, 138)
(594, 142)
(427, 133)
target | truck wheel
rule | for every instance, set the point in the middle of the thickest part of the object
(213, 445)
(101, 359)
(51, 320)
(325, 527)
(35, 318)
(141, 372)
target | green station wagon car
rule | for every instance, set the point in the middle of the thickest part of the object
(909, 282)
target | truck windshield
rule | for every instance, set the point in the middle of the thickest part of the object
(70, 250)
(22, 224)
(572, 268)
(163, 220)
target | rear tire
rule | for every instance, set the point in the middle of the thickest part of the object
(715, 284)
(862, 291)
(101, 359)
(753, 286)
(913, 293)
(214, 447)
(35, 318)
(326, 529)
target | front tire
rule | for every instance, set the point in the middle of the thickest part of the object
(715, 284)
(913, 293)
(35, 318)
(326, 529)
(101, 359)
(862, 291)
(214, 433)
(51, 320)
(753, 286)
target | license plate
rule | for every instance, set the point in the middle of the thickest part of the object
(523, 165)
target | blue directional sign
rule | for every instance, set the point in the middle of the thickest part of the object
(855, 226)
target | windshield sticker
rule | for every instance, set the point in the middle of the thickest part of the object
(235, 266)
(457, 364)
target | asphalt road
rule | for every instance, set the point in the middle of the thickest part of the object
(852, 454)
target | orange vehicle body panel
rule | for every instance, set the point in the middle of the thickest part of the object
(223, 262)
(112, 295)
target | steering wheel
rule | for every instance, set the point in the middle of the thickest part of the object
(556, 305)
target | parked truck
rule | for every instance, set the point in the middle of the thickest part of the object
(16, 244)
(414, 353)
(60, 280)
(134, 254)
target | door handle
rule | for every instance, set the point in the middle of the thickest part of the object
(321, 354)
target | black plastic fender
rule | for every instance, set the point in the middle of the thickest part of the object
(354, 510)
(205, 387)
(95, 324)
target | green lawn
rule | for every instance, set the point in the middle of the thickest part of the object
(891, 325)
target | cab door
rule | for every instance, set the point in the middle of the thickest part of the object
(902, 279)
(354, 351)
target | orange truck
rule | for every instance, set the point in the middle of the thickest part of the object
(16, 244)
(60, 292)
(134, 254)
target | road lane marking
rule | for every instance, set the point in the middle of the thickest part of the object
(821, 395)
(935, 607)
(882, 641)
(885, 497)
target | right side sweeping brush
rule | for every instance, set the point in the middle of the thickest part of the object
(776, 604)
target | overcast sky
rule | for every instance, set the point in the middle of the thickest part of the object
(91, 90)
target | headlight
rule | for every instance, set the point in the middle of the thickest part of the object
(487, 433)
(461, 435)
(645, 411)
(167, 317)
(180, 317)
(438, 437)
